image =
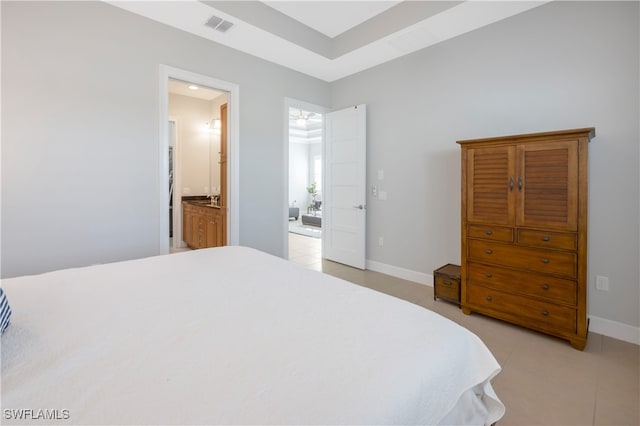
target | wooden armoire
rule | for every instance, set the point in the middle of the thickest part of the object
(524, 230)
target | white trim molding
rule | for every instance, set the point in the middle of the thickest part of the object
(405, 274)
(614, 329)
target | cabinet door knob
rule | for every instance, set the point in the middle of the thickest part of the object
(520, 184)
(511, 184)
(488, 251)
(488, 232)
(545, 260)
(545, 238)
(489, 298)
(488, 275)
(545, 313)
(545, 286)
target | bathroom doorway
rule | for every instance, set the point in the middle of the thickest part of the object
(199, 130)
(197, 171)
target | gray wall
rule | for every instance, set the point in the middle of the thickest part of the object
(560, 66)
(80, 133)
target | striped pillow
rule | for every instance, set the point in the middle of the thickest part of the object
(5, 312)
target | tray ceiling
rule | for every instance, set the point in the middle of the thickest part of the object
(328, 40)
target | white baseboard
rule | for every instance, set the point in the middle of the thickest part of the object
(405, 274)
(614, 329)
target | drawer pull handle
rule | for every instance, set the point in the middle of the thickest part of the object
(488, 275)
(511, 183)
(545, 313)
(447, 283)
(545, 260)
(545, 238)
(489, 298)
(545, 286)
(520, 184)
(488, 232)
(488, 251)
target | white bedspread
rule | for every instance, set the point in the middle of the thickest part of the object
(233, 336)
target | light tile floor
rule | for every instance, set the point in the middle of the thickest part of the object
(544, 381)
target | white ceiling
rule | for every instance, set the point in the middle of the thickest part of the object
(331, 18)
(201, 92)
(329, 40)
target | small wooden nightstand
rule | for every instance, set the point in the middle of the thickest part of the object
(446, 283)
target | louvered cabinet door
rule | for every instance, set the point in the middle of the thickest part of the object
(490, 185)
(547, 185)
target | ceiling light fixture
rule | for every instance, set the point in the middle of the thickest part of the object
(302, 118)
(193, 87)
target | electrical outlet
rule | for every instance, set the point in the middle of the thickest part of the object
(602, 283)
(381, 241)
(374, 190)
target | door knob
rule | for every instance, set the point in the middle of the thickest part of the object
(359, 206)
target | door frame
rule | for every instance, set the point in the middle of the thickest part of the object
(177, 186)
(233, 145)
(307, 106)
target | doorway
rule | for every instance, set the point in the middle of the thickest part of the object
(198, 171)
(305, 130)
(202, 129)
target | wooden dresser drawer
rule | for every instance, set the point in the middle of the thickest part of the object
(547, 239)
(446, 283)
(447, 289)
(532, 259)
(536, 313)
(489, 232)
(526, 283)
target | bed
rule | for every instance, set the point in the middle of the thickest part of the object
(232, 335)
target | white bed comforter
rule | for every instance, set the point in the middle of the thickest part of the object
(234, 336)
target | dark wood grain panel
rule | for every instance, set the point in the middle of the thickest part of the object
(489, 232)
(537, 314)
(523, 282)
(527, 258)
(549, 239)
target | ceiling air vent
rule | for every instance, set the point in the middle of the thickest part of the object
(219, 24)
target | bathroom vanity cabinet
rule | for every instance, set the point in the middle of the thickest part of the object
(203, 225)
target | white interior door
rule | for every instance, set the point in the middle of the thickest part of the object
(344, 218)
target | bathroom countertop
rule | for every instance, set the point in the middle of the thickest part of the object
(199, 200)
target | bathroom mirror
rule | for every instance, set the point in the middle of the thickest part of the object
(195, 110)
